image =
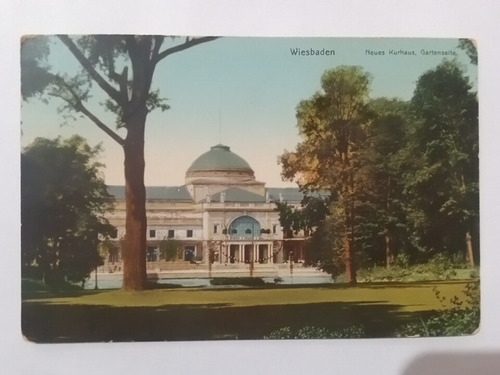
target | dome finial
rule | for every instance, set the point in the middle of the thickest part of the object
(220, 146)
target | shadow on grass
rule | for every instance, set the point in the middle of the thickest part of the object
(96, 323)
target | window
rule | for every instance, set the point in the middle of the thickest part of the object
(216, 228)
(171, 233)
(189, 233)
(152, 233)
(274, 228)
(244, 226)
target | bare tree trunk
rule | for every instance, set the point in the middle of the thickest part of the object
(470, 252)
(350, 269)
(134, 256)
(388, 251)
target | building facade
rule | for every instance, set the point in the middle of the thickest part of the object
(221, 215)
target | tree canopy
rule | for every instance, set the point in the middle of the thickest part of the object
(402, 177)
(122, 67)
(63, 204)
(442, 184)
(332, 125)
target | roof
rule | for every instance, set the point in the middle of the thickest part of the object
(219, 158)
(235, 194)
(293, 194)
(155, 192)
(287, 194)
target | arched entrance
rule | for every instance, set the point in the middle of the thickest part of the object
(244, 227)
(245, 244)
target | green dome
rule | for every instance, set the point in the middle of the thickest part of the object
(219, 158)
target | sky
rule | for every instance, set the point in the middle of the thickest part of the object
(241, 92)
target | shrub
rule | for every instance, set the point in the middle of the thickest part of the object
(439, 267)
(169, 249)
(244, 281)
(462, 319)
(402, 260)
(474, 273)
(278, 280)
(33, 285)
(310, 332)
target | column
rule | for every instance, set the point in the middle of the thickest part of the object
(221, 253)
(205, 253)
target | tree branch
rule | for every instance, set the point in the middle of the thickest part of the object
(181, 47)
(157, 45)
(80, 107)
(108, 89)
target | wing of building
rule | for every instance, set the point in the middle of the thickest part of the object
(222, 215)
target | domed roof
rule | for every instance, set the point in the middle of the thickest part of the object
(219, 158)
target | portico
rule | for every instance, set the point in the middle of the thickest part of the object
(242, 252)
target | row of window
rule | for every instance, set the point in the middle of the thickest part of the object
(189, 232)
(170, 234)
(188, 253)
(216, 230)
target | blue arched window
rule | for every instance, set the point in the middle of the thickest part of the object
(244, 227)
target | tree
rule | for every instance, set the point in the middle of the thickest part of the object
(469, 46)
(387, 136)
(122, 66)
(309, 218)
(442, 184)
(169, 249)
(63, 202)
(332, 125)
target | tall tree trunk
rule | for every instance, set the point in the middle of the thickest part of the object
(134, 256)
(350, 269)
(470, 252)
(388, 250)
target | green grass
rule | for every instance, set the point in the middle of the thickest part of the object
(248, 313)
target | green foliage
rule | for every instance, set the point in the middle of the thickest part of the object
(468, 45)
(33, 285)
(439, 267)
(313, 210)
(35, 75)
(122, 66)
(402, 261)
(243, 281)
(63, 202)
(402, 177)
(442, 185)
(474, 273)
(325, 248)
(332, 125)
(169, 249)
(462, 319)
(311, 332)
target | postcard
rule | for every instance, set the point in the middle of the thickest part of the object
(192, 188)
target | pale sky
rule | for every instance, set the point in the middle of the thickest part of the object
(241, 92)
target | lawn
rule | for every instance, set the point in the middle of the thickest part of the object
(226, 313)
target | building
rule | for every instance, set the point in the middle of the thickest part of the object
(222, 215)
